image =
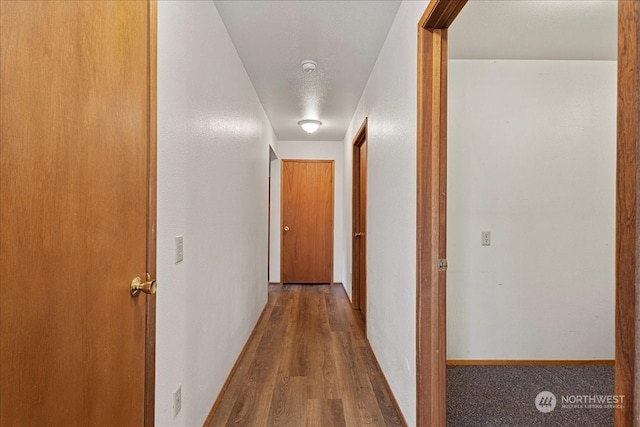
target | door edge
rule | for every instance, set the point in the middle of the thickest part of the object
(150, 301)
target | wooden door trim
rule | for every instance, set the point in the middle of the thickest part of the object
(333, 202)
(358, 140)
(150, 304)
(282, 221)
(431, 211)
(333, 213)
(431, 206)
(627, 374)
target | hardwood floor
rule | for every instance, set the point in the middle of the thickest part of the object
(308, 363)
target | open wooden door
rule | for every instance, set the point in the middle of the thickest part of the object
(77, 212)
(359, 221)
(307, 221)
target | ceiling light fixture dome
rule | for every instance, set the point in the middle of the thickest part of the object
(310, 126)
(309, 65)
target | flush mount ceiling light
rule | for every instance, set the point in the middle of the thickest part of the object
(308, 65)
(310, 126)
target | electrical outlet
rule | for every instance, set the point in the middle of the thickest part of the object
(177, 400)
(179, 255)
(485, 238)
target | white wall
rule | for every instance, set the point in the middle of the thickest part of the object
(389, 100)
(309, 150)
(213, 159)
(531, 149)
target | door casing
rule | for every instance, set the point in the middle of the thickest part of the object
(359, 221)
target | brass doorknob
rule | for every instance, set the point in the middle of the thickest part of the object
(359, 234)
(286, 228)
(148, 287)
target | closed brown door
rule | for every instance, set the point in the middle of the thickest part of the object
(360, 221)
(75, 171)
(307, 221)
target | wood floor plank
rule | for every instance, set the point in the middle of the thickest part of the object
(288, 403)
(313, 413)
(317, 357)
(378, 383)
(252, 406)
(294, 360)
(310, 365)
(347, 386)
(356, 329)
(335, 413)
(337, 318)
(329, 369)
(231, 394)
(323, 413)
(356, 378)
(354, 322)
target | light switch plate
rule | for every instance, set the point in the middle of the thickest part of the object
(179, 255)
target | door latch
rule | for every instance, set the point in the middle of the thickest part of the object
(442, 265)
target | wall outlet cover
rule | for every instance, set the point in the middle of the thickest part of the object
(485, 238)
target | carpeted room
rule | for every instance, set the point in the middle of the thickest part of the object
(531, 160)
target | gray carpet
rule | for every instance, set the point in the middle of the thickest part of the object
(486, 396)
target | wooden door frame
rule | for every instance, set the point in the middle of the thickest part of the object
(627, 374)
(152, 198)
(333, 212)
(431, 212)
(358, 140)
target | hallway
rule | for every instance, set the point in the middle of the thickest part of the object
(307, 363)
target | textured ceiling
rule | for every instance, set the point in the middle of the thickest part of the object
(273, 37)
(345, 37)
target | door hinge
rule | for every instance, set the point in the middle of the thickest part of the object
(442, 265)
